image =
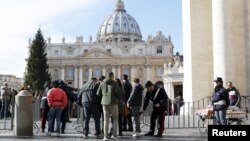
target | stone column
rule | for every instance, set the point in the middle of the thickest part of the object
(133, 73)
(62, 72)
(90, 71)
(113, 70)
(76, 77)
(247, 43)
(229, 42)
(80, 77)
(219, 43)
(119, 71)
(148, 73)
(104, 70)
(197, 49)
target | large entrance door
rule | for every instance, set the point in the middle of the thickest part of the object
(178, 90)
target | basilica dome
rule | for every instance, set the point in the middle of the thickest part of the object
(119, 27)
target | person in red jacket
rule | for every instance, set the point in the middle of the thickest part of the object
(57, 101)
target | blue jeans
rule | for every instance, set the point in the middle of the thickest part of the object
(220, 117)
(55, 113)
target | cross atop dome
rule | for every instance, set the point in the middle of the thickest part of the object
(120, 6)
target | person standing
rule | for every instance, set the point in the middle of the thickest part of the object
(134, 102)
(110, 95)
(234, 94)
(127, 120)
(5, 98)
(220, 101)
(57, 101)
(44, 107)
(159, 98)
(101, 79)
(90, 103)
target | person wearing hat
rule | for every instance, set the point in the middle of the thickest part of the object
(159, 98)
(220, 101)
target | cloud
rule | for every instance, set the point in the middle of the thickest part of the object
(21, 19)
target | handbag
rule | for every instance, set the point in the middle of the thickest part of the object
(126, 110)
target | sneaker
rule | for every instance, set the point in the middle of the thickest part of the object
(85, 136)
(136, 134)
(113, 138)
(105, 139)
(48, 134)
(150, 133)
(57, 134)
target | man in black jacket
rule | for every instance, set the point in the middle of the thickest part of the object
(159, 98)
(127, 87)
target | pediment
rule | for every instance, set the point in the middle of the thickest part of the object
(97, 53)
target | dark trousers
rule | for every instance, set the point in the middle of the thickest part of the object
(88, 110)
(44, 115)
(157, 113)
(127, 120)
(5, 109)
(64, 118)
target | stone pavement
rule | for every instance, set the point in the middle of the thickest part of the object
(74, 132)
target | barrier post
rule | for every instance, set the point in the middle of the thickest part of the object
(23, 114)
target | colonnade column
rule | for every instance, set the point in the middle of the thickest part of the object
(219, 43)
(62, 72)
(113, 70)
(229, 41)
(104, 70)
(76, 77)
(132, 71)
(90, 71)
(119, 71)
(80, 77)
(148, 73)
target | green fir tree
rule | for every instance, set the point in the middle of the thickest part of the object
(37, 69)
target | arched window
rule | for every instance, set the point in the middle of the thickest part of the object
(159, 50)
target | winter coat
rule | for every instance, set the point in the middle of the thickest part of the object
(220, 99)
(88, 93)
(161, 98)
(57, 97)
(5, 93)
(109, 92)
(135, 98)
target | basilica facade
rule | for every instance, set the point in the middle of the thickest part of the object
(119, 47)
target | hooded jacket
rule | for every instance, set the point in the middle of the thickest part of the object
(109, 92)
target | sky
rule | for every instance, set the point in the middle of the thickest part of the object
(20, 20)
